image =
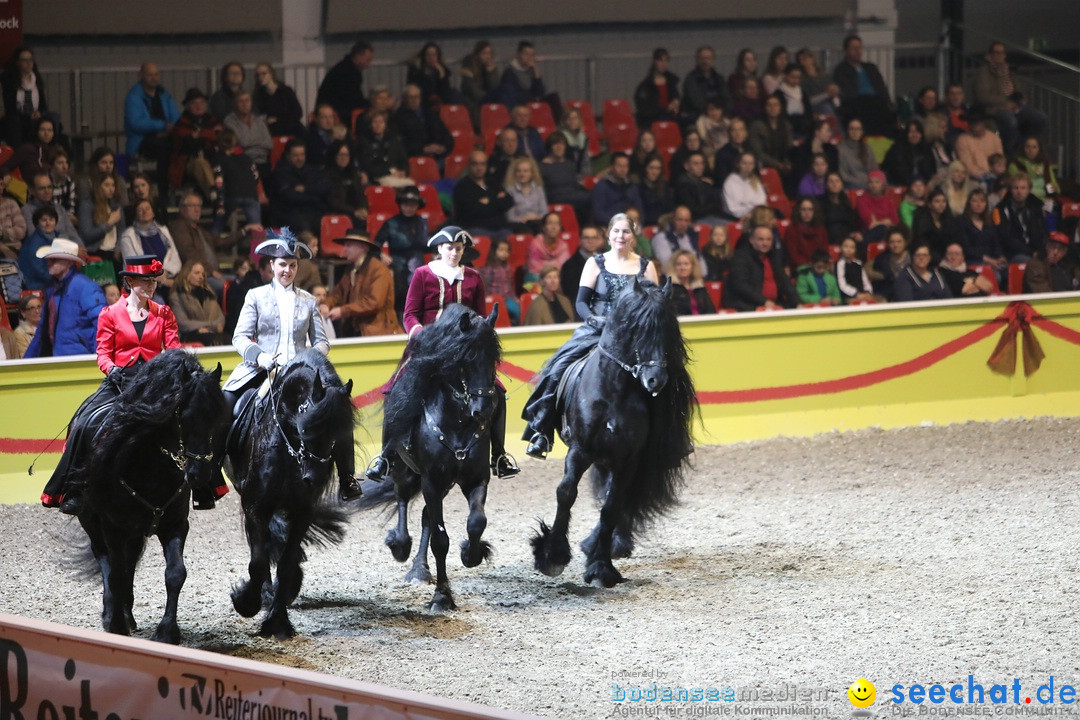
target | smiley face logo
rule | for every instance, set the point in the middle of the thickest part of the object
(862, 693)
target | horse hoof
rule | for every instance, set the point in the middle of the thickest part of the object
(167, 634)
(442, 602)
(400, 548)
(601, 574)
(245, 603)
(418, 576)
(130, 620)
(277, 630)
(550, 553)
(552, 570)
(469, 559)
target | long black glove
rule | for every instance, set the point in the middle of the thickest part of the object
(584, 299)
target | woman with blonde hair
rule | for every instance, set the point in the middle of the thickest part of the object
(198, 312)
(687, 285)
(958, 186)
(524, 184)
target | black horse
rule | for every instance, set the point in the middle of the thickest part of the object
(437, 418)
(153, 447)
(628, 416)
(282, 464)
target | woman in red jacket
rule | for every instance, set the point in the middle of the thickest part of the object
(130, 331)
(806, 234)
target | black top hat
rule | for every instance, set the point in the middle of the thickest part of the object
(142, 266)
(282, 244)
(449, 234)
(356, 235)
(409, 193)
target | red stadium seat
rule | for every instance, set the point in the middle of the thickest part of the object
(455, 165)
(854, 194)
(589, 182)
(703, 232)
(464, 141)
(276, 150)
(482, 244)
(897, 192)
(988, 272)
(834, 253)
(504, 317)
(780, 203)
(1071, 209)
(333, 227)
(873, 250)
(432, 204)
(541, 115)
(456, 117)
(544, 131)
(771, 180)
(491, 136)
(667, 133)
(666, 154)
(519, 245)
(1016, 278)
(571, 240)
(424, 169)
(493, 116)
(381, 199)
(375, 221)
(622, 137)
(715, 288)
(355, 117)
(525, 301)
(617, 111)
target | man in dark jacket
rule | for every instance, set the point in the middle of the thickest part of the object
(480, 207)
(703, 84)
(756, 279)
(1052, 270)
(521, 83)
(300, 190)
(697, 193)
(343, 86)
(421, 129)
(615, 193)
(863, 93)
(1020, 222)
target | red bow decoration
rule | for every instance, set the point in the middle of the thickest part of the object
(1018, 315)
(155, 266)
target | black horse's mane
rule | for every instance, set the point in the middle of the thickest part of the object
(459, 341)
(645, 317)
(296, 384)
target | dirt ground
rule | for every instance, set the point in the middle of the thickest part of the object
(791, 567)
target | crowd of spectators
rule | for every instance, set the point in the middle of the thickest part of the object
(774, 186)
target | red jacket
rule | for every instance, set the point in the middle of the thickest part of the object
(119, 344)
(422, 303)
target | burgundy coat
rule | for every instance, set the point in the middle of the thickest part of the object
(422, 304)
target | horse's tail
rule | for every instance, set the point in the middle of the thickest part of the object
(327, 528)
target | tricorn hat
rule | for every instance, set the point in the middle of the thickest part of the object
(449, 234)
(282, 244)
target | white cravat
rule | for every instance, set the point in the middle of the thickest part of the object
(286, 302)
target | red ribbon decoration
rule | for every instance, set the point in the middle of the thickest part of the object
(152, 269)
(1019, 316)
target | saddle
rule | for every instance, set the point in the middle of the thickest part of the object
(568, 386)
(248, 407)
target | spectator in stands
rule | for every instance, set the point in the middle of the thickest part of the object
(934, 224)
(277, 102)
(863, 93)
(703, 84)
(998, 186)
(382, 100)
(252, 132)
(851, 278)
(642, 245)
(147, 237)
(347, 195)
(559, 175)
(421, 129)
(195, 245)
(815, 284)
(755, 280)
(920, 281)
(841, 220)
(299, 189)
(805, 235)
(712, 126)
(193, 139)
(644, 151)
(750, 103)
(59, 161)
(223, 101)
(697, 192)
(771, 138)
(343, 86)
(961, 280)
(931, 113)
(479, 79)
(982, 243)
(72, 304)
(590, 243)
(236, 183)
(149, 116)
(876, 209)
(520, 83)
(196, 306)
(13, 225)
(889, 264)
(958, 186)
(320, 134)
(692, 143)
(101, 218)
(34, 270)
(551, 306)
(247, 277)
(30, 307)
(1032, 161)
(479, 206)
(914, 198)
(498, 276)
(679, 234)
(688, 291)
(855, 156)
(657, 197)
(103, 162)
(506, 149)
(614, 193)
(362, 303)
(745, 69)
(802, 156)
(997, 94)
(405, 235)
(526, 188)
(577, 141)
(975, 147)
(41, 195)
(31, 157)
(743, 189)
(716, 255)
(813, 182)
(822, 93)
(795, 102)
(1020, 221)
(774, 69)
(727, 157)
(429, 73)
(529, 141)
(1052, 269)
(23, 95)
(380, 154)
(657, 96)
(956, 111)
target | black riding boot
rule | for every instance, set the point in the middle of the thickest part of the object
(205, 498)
(540, 414)
(502, 465)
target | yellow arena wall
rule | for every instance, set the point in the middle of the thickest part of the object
(758, 375)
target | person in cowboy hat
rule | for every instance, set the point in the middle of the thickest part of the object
(72, 304)
(405, 235)
(442, 281)
(259, 336)
(131, 331)
(363, 300)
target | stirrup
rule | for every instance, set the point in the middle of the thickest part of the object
(505, 466)
(71, 504)
(378, 469)
(350, 489)
(539, 446)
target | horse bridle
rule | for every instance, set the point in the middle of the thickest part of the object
(634, 370)
(301, 452)
(182, 455)
(463, 398)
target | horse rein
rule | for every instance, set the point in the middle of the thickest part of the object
(462, 397)
(298, 454)
(634, 370)
(182, 455)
